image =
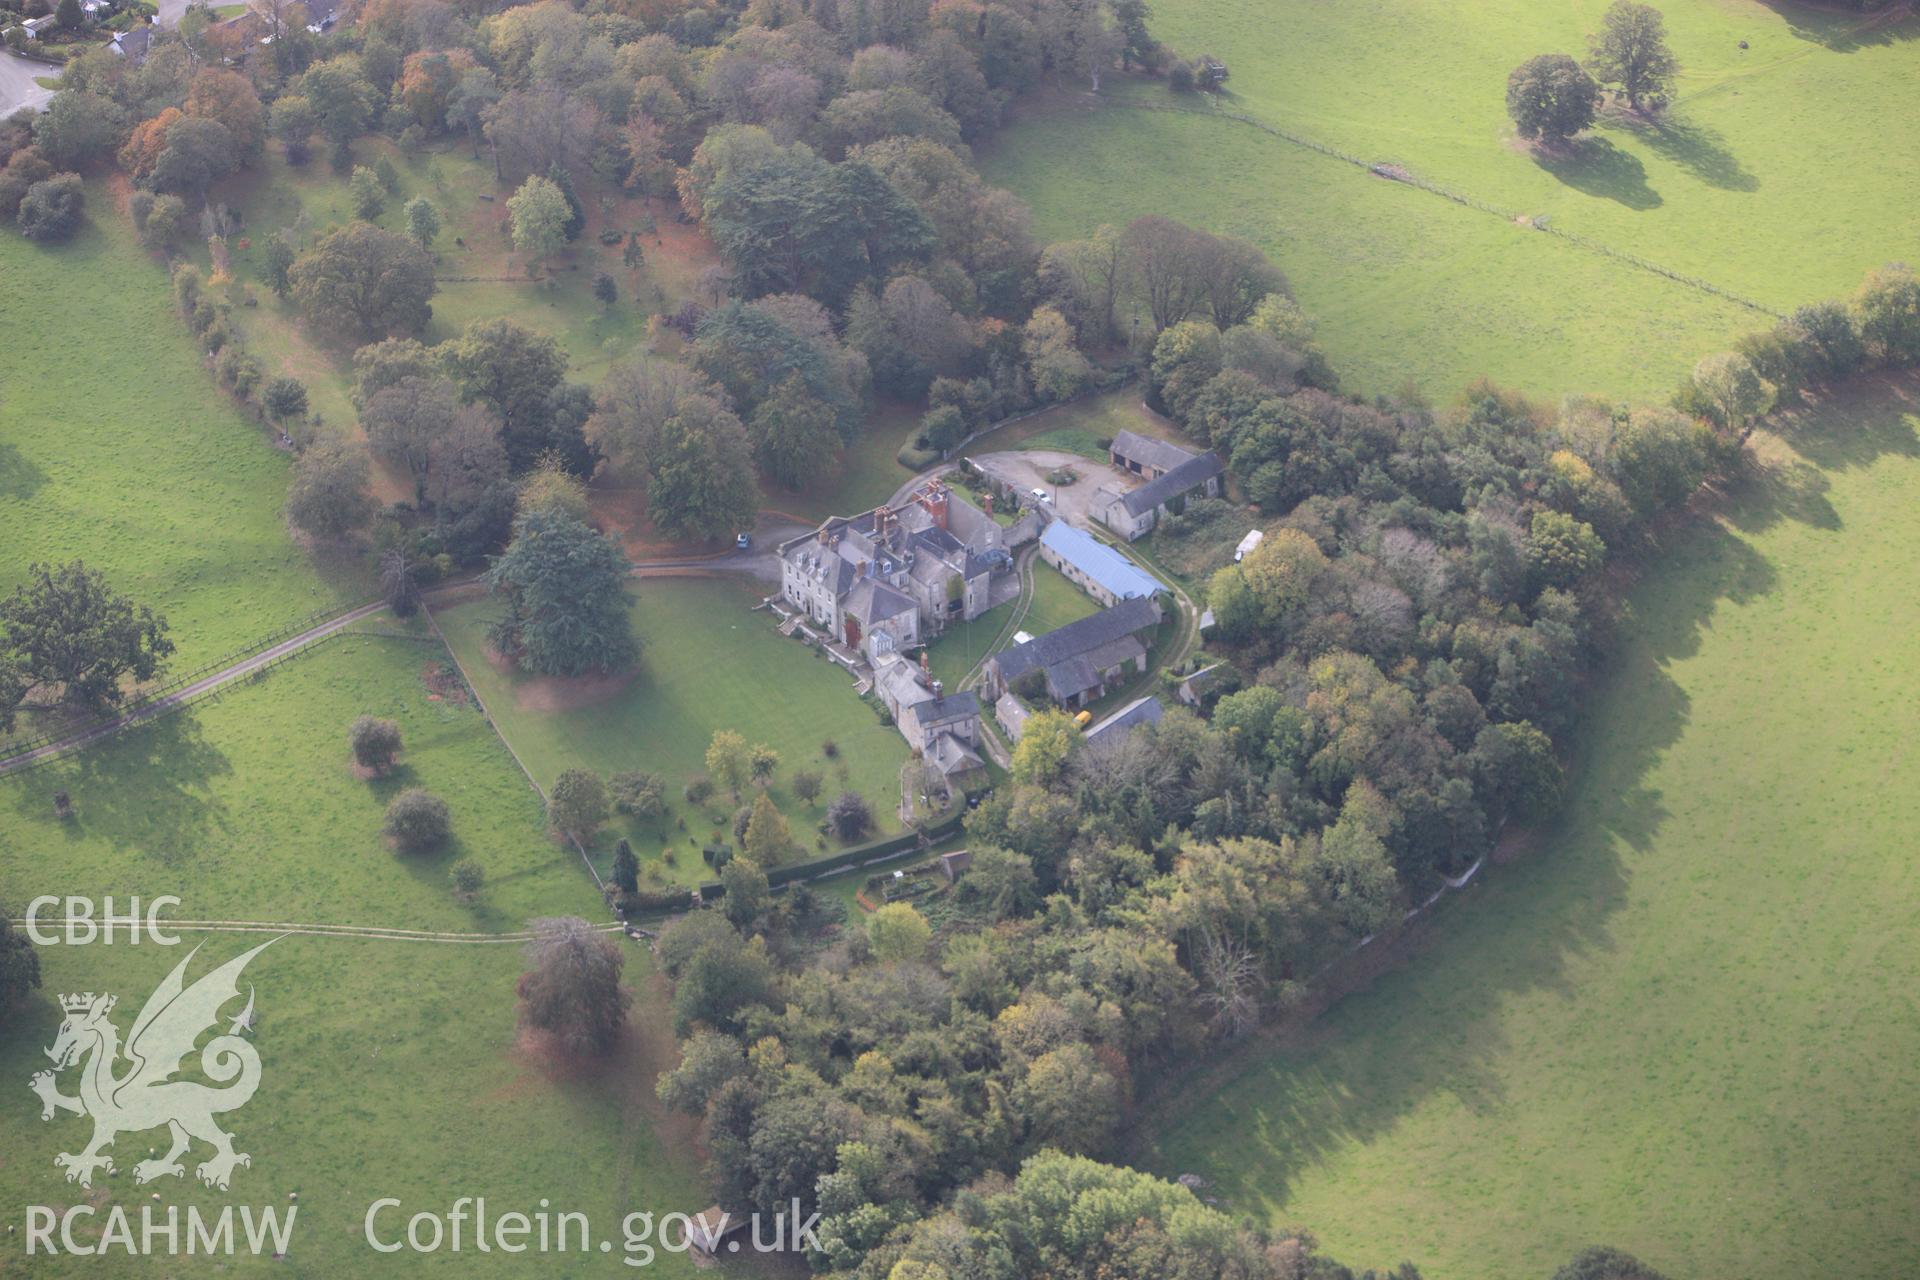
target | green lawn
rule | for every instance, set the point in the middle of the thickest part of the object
(1056, 602)
(116, 447)
(1771, 179)
(1685, 1024)
(1077, 426)
(962, 646)
(388, 1068)
(708, 663)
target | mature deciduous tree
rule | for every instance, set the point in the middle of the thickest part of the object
(849, 816)
(897, 932)
(418, 821)
(327, 497)
(1550, 98)
(65, 634)
(404, 421)
(1734, 388)
(375, 742)
(1888, 310)
(52, 208)
(700, 482)
(19, 967)
(572, 988)
(519, 375)
(794, 436)
(540, 215)
(362, 282)
(577, 803)
(1630, 53)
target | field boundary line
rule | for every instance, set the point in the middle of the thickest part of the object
(493, 724)
(1392, 172)
(184, 690)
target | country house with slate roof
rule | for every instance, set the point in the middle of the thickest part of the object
(892, 578)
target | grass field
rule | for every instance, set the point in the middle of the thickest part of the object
(389, 1069)
(116, 447)
(248, 803)
(1685, 1024)
(1769, 179)
(708, 663)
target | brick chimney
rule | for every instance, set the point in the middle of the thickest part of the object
(934, 498)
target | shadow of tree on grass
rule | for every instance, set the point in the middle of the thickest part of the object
(1693, 146)
(1595, 166)
(1845, 31)
(20, 477)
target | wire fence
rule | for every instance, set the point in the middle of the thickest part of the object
(167, 693)
(1399, 173)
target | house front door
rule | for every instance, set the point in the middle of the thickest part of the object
(853, 634)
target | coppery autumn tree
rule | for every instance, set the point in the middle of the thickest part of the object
(228, 96)
(146, 142)
(427, 82)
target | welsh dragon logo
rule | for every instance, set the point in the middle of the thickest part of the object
(144, 1094)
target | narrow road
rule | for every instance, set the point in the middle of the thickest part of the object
(226, 675)
(17, 88)
(754, 561)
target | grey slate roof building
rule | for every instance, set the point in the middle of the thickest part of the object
(1140, 711)
(1146, 455)
(1077, 661)
(1171, 473)
(1183, 479)
(944, 728)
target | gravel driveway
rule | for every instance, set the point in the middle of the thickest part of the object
(1026, 469)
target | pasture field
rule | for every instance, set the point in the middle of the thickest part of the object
(248, 803)
(1683, 1024)
(389, 1068)
(116, 447)
(707, 663)
(1769, 179)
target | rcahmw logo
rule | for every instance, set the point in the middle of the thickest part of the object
(79, 925)
(132, 1088)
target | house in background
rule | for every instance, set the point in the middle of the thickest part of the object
(894, 577)
(134, 43)
(1095, 567)
(1199, 688)
(1173, 474)
(1076, 664)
